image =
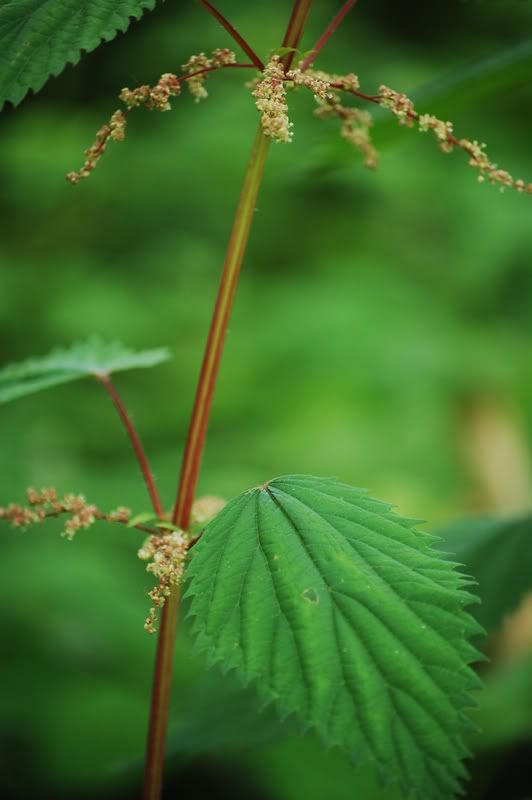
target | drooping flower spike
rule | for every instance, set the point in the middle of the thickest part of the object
(270, 92)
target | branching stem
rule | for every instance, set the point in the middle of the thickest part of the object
(326, 35)
(199, 421)
(135, 442)
(192, 457)
(295, 29)
(248, 50)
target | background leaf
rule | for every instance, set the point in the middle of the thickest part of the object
(39, 37)
(498, 553)
(220, 716)
(347, 618)
(93, 357)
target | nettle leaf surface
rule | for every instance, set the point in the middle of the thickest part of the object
(346, 617)
(92, 358)
(497, 551)
(39, 37)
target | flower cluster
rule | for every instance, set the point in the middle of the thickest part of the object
(270, 92)
(46, 504)
(198, 66)
(443, 131)
(399, 104)
(155, 98)
(487, 170)
(166, 553)
(270, 99)
(403, 108)
(355, 127)
(165, 548)
(317, 82)
(114, 129)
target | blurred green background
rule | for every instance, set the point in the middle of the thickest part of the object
(381, 334)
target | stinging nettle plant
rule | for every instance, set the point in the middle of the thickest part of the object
(337, 609)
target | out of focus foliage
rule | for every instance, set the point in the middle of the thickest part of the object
(382, 333)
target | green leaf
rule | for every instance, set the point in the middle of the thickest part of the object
(169, 526)
(321, 774)
(346, 617)
(141, 519)
(93, 357)
(283, 51)
(220, 716)
(498, 553)
(39, 37)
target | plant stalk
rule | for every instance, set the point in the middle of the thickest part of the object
(326, 35)
(295, 29)
(135, 442)
(231, 30)
(188, 479)
(193, 452)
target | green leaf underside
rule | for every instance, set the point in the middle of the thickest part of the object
(346, 617)
(39, 37)
(83, 359)
(498, 553)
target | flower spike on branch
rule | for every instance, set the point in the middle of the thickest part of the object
(166, 551)
(270, 99)
(155, 98)
(198, 67)
(46, 504)
(270, 93)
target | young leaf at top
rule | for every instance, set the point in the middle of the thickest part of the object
(498, 553)
(346, 617)
(39, 37)
(93, 357)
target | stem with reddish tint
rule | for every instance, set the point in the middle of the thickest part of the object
(198, 428)
(192, 457)
(295, 28)
(135, 442)
(326, 35)
(213, 351)
(248, 50)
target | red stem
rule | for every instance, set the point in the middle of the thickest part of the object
(248, 50)
(294, 31)
(214, 69)
(215, 341)
(191, 460)
(198, 428)
(326, 35)
(135, 442)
